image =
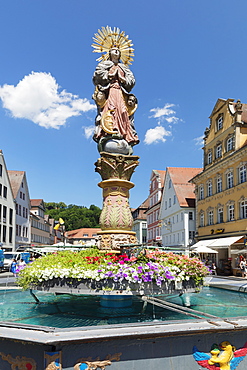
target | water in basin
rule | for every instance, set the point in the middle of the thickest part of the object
(63, 311)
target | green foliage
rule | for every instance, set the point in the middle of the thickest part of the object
(75, 217)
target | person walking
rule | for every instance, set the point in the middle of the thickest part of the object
(242, 267)
(13, 267)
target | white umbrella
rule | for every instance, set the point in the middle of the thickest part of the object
(204, 249)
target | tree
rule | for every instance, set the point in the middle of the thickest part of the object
(74, 216)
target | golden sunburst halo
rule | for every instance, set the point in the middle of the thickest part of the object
(106, 38)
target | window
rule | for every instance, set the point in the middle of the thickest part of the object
(4, 214)
(0, 214)
(174, 199)
(166, 204)
(218, 151)
(219, 184)
(210, 217)
(10, 216)
(1, 190)
(210, 188)
(19, 210)
(5, 192)
(23, 212)
(21, 194)
(170, 202)
(4, 233)
(85, 235)
(220, 122)
(242, 174)
(220, 215)
(16, 208)
(229, 180)
(229, 144)
(191, 234)
(201, 192)
(190, 215)
(210, 157)
(201, 219)
(10, 234)
(231, 212)
(170, 184)
(1, 170)
(243, 209)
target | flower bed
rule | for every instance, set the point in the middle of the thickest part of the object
(96, 271)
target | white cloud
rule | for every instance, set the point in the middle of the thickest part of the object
(37, 98)
(199, 141)
(163, 112)
(154, 135)
(88, 131)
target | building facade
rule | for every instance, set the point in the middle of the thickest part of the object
(221, 188)
(140, 222)
(20, 191)
(154, 201)
(40, 227)
(177, 211)
(83, 236)
(7, 209)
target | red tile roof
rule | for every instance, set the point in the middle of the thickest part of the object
(36, 202)
(78, 233)
(184, 190)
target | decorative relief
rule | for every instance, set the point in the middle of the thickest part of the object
(19, 363)
(53, 360)
(116, 190)
(115, 166)
(89, 364)
(223, 356)
(114, 242)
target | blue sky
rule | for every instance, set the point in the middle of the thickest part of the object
(188, 53)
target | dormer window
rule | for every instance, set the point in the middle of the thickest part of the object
(219, 122)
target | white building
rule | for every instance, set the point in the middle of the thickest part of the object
(140, 222)
(177, 211)
(20, 191)
(7, 209)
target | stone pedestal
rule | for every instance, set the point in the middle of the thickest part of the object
(116, 219)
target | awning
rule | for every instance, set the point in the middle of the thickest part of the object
(217, 243)
(204, 249)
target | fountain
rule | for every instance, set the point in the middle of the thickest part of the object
(122, 282)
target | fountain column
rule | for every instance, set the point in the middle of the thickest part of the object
(116, 219)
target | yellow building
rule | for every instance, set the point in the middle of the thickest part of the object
(221, 188)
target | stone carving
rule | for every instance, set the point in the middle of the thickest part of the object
(114, 166)
(113, 80)
(19, 363)
(115, 134)
(89, 364)
(53, 360)
(223, 356)
(114, 241)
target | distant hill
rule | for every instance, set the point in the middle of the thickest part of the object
(75, 217)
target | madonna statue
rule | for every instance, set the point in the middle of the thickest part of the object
(113, 82)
